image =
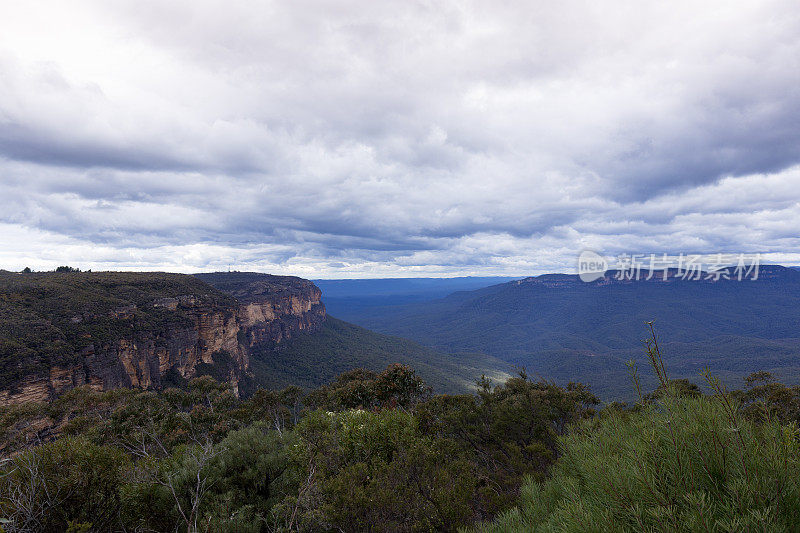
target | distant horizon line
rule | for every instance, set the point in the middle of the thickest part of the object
(314, 278)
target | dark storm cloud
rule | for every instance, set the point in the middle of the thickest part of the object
(396, 137)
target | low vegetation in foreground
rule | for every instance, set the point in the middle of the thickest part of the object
(684, 464)
(677, 461)
(367, 452)
(379, 452)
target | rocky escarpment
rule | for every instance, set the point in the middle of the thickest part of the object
(145, 359)
(151, 360)
(146, 330)
(271, 308)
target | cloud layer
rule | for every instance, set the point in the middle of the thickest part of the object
(395, 138)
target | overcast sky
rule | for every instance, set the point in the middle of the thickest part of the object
(378, 139)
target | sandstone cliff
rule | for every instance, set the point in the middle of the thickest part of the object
(271, 308)
(146, 330)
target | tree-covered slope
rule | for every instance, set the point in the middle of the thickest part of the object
(313, 359)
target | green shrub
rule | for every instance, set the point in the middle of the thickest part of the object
(367, 470)
(230, 486)
(506, 431)
(684, 464)
(63, 484)
(766, 399)
(397, 386)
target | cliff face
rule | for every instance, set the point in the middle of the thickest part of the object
(152, 338)
(271, 308)
(274, 320)
(149, 359)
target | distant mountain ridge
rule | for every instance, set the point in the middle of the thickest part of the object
(562, 328)
(336, 288)
(346, 298)
(672, 275)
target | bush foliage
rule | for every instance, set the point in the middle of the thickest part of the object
(379, 452)
(369, 448)
(682, 464)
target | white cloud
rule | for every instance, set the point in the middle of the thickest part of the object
(389, 138)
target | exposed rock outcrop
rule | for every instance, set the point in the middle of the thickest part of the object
(145, 361)
(271, 308)
(162, 338)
